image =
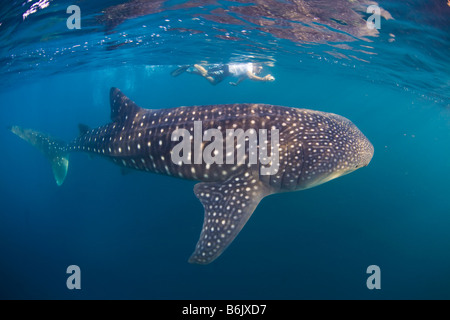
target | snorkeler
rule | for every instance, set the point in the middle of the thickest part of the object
(216, 73)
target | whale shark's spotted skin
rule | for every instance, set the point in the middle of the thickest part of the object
(314, 147)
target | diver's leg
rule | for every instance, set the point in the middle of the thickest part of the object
(202, 70)
(204, 73)
(193, 71)
(211, 80)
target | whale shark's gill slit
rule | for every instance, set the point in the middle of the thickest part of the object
(228, 205)
(55, 150)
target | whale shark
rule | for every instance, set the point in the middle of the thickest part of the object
(312, 147)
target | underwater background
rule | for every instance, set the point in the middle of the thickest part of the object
(131, 235)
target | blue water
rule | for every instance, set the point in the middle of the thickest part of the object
(131, 235)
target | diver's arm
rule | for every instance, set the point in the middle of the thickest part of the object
(252, 76)
(237, 82)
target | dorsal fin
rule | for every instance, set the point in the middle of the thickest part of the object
(121, 106)
(83, 129)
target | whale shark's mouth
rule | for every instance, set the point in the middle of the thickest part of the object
(332, 176)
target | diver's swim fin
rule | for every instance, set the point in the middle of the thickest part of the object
(180, 70)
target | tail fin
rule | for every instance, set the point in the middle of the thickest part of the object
(54, 150)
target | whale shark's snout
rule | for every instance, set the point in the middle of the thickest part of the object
(357, 149)
(360, 149)
(339, 149)
(367, 153)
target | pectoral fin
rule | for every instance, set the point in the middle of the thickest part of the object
(228, 205)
